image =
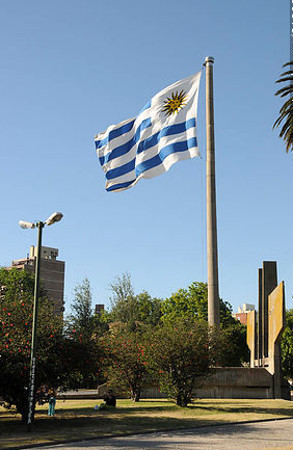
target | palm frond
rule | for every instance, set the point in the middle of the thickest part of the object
(285, 118)
(284, 79)
(287, 90)
(290, 63)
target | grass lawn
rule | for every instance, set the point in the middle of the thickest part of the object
(76, 419)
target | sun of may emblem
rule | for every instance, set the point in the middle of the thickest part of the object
(173, 104)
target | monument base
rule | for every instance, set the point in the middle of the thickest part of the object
(234, 382)
(241, 382)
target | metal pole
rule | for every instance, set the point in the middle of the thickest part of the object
(31, 397)
(212, 252)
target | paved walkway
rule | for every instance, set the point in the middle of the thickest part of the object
(260, 435)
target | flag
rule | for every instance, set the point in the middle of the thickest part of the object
(147, 145)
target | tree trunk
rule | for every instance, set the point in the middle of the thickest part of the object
(182, 400)
(135, 395)
(22, 408)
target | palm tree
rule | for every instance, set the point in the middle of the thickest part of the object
(286, 112)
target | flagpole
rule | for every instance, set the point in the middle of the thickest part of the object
(212, 251)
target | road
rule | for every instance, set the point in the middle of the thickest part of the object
(260, 435)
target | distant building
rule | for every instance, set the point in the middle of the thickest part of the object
(241, 315)
(51, 273)
(99, 309)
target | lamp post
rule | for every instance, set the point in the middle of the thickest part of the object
(55, 217)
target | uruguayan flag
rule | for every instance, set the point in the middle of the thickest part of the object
(145, 146)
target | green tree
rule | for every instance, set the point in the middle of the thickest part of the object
(121, 289)
(101, 323)
(287, 346)
(137, 310)
(149, 310)
(83, 328)
(123, 304)
(82, 318)
(131, 309)
(81, 360)
(286, 111)
(192, 304)
(125, 361)
(235, 352)
(182, 354)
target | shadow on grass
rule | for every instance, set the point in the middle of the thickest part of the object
(153, 441)
(123, 410)
(243, 409)
(58, 430)
(119, 422)
(208, 408)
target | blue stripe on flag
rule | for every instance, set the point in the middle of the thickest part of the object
(115, 133)
(121, 170)
(125, 148)
(167, 131)
(166, 151)
(120, 185)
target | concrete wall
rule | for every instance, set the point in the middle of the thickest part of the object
(234, 382)
(237, 382)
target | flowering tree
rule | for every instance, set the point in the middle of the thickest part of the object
(16, 304)
(61, 361)
(125, 361)
(182, 353)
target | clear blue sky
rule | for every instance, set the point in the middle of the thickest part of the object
(70, 68)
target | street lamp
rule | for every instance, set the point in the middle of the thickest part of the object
(55, 217)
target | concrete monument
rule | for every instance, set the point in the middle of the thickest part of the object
(264, 334)
(276, 313)
(251, 336)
